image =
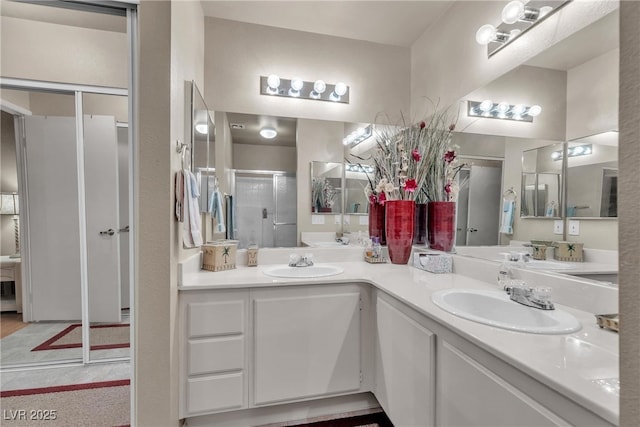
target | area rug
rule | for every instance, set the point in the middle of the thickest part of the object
(97, 404)
(102, 337)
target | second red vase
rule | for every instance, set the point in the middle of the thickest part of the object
(376, 222)
(399, 217)
(441, 225)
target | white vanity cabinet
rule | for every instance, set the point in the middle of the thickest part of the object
(214, 361)
(405, 364)
(306, 342)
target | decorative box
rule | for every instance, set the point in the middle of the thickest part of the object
(433, 262)
(568, 251)
(219, 255)
(252, 255)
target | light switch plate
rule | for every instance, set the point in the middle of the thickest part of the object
(336, 219)
(317, 219)
(574, 227)
(557, 227)
(347, 220)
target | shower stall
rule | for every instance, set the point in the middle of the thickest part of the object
(265, 208)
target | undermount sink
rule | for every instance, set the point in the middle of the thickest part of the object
(495, 308)
(317, 270)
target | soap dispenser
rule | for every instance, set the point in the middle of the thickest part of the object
(504, 273)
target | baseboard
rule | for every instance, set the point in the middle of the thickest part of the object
(284, 414)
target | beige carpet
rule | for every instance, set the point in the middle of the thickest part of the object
(104, 404)
(102, 337)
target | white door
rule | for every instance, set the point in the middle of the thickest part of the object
(53, 229)
(103, 239)
(484, 205)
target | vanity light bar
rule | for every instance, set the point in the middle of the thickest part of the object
(358, 168)
(503, 110)
(296, 88)
(357, 136)
(577, 150)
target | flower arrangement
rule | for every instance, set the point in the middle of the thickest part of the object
(323, 195)
(416, 162)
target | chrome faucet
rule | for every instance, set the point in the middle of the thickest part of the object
(296, 260)
(531, 297)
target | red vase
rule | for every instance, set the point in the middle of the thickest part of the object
(441, 225)
(399, 218)
(420, 224)
(376, 222)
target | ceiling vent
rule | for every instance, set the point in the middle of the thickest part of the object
(236, 126)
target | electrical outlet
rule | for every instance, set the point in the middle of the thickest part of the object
(574, 228)
(336, 219)
(347, 220)
(557, 227)
(317, 219)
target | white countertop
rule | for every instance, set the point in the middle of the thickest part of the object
(581, 365)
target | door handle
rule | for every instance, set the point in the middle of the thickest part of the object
(108, 232)
(124, 230)
(472, 230)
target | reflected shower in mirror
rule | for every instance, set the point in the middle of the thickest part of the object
(592, 176)
(202, 159)
(542, 182)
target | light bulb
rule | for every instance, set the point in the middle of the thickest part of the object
(319, 86)
(503, 107)
(297, 84)
(486, 34)
(577, 150)
(514, 33)
(345, 141)
(486, 105)
(534, 110)
(512, 12)
(268, 133)
(273, 81)
(340, 89)
(519, 109)
(544, 10)
(555, 155)
(587, 150)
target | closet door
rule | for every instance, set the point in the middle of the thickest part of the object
(52, 200)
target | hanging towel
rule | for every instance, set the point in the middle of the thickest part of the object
(215, 209)
(508, 210)
(179, 189)
(192, 235)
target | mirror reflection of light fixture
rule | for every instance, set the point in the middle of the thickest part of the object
(297, 88)
(268, 133)
(503, 110)
(350, 167)
(9, 205)
(202, 128)
(517, 17)
(358, 135)
(575, 151)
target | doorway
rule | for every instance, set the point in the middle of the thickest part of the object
(478, 215)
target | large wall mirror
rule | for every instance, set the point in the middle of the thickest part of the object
(356, 180)
(592, 176)
(202, 159)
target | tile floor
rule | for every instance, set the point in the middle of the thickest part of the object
(16, 349)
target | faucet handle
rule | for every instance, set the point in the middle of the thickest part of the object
(294, 259)
(542, 294)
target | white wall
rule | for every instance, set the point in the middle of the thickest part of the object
(592, 96)
(237, 54)
(262, 157)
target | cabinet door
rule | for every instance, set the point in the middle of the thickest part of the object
(306, 342)
(405, 379)
(471, 395)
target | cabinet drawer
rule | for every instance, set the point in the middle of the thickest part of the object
(216, 355)
(7, 274)
(215, 318)
(215, 393)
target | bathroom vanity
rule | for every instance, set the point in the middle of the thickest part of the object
(257, 349)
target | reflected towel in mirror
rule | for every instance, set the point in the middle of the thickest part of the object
(508, 209)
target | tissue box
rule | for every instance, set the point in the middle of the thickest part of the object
(219, 255)
(568, 251)
(433, 262)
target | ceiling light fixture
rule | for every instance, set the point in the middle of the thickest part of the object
(503, 110)
(575, 151)
(268, 133)
(359, 168)
(297, 88)
(202, 128)
(518, 16)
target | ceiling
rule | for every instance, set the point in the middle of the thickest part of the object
(398, 23)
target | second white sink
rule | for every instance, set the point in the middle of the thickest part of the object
(495, 308)
(317, 270)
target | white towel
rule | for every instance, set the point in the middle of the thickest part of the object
(508, 210)
(215, 209)
(192, 235)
